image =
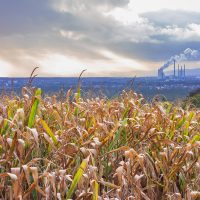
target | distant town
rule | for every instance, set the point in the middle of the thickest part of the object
(173, 85)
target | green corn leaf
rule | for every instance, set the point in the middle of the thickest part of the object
(186, 129)
(195, 139)
(77, 178)
(169, 108)
(180, 123)
(95, 190)
(191, 115)
(5, 127)
(125, 114)
(34, 108)
(77, 97)
(49, 131)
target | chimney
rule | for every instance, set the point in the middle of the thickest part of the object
(184, 70)
(178, 71)
(174, 68)
(181, 71)
(159, 73)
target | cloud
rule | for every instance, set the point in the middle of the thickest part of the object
(80, 30)
(36, 29)
(88, 5)
(166, 17)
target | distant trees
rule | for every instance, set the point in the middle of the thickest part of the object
(193, 98)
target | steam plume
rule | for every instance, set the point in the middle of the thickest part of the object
(187, 55)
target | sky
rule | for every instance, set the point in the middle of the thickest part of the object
(107, 37)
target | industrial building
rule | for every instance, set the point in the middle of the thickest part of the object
(179, 72)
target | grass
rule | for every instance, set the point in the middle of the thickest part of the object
(97, 148)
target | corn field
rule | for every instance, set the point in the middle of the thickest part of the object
(97, 148)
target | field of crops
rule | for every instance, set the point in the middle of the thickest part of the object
(97, 148)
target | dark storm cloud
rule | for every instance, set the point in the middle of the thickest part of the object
(32, 29)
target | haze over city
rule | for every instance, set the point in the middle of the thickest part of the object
(108, 37)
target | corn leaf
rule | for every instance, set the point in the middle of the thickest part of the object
(49, 131)
(95, 190)
(77, 178)
(5, 127)
(34, 108)
(195, 138)
(180, 123)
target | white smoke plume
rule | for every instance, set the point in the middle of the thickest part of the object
(187, 55)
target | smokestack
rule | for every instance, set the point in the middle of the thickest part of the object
(159, 73)
(174, 68)
(181, 71)
(178, 71)
(184, 70)
(187, 54)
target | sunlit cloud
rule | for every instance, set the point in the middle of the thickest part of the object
(5, 68)
(109, 38)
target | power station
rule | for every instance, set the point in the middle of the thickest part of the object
(179, 74)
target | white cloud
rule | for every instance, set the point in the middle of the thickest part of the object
(189, 33)
(65, 36)
(61, 65)
(72, 35)
(141, 6)
(5, 68)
